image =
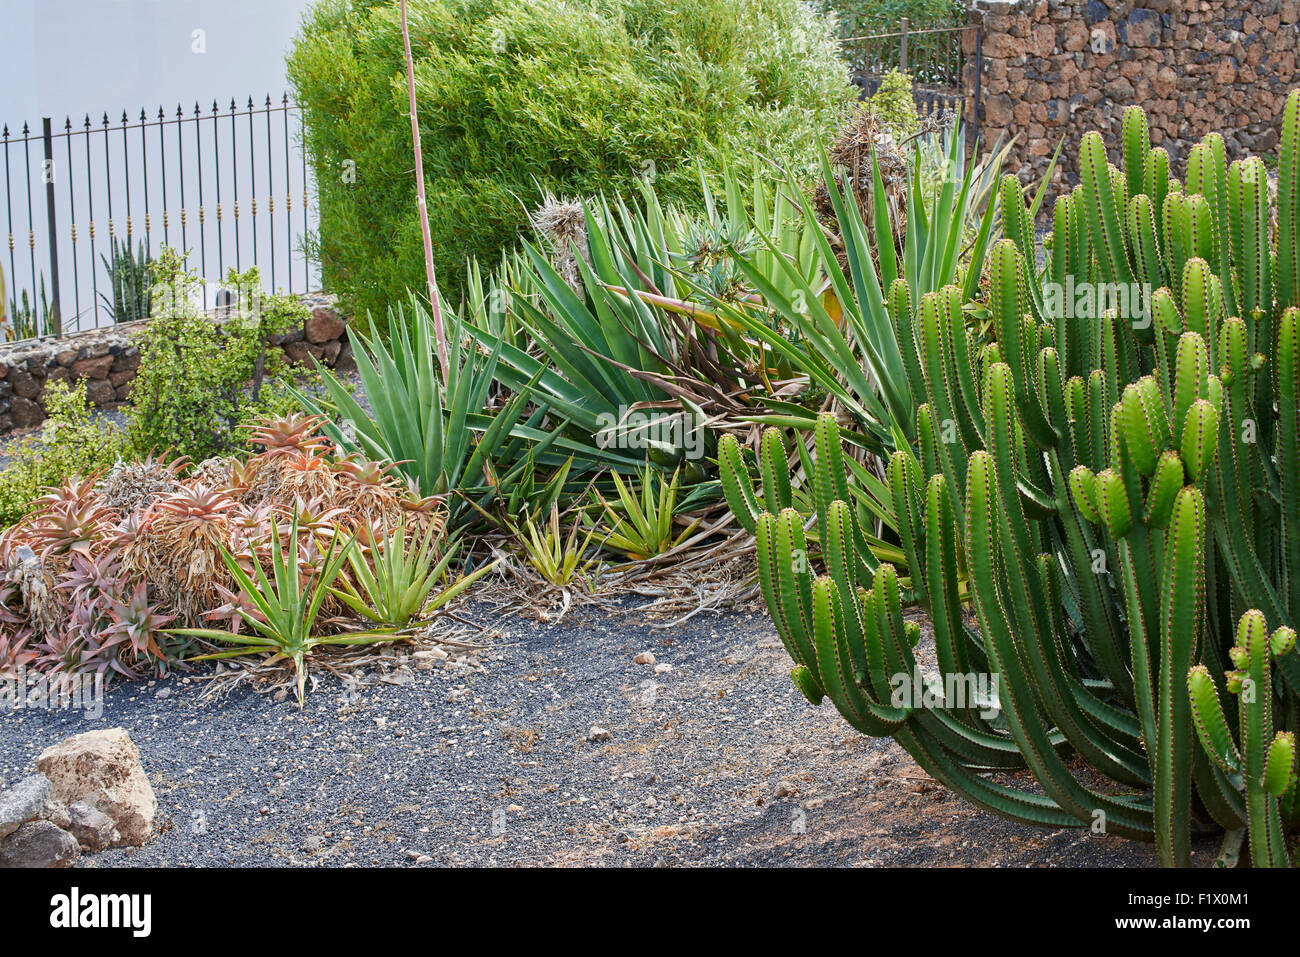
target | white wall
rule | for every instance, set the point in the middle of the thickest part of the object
(65, 57)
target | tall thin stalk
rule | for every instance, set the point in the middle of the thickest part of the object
(440, 336)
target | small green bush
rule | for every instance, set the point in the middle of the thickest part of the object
(199, 381)
(895, 107)
(518, 98)
(71, 443)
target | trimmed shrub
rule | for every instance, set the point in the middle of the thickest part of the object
(518, 98)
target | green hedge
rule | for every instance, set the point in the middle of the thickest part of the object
(517, 97)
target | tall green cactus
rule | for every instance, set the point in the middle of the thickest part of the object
(1091, 502)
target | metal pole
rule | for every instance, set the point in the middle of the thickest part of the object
(979, 69)
(902, 49)
(72, 212)
(56, 319)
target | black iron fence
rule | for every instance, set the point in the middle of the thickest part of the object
(944, 63)
(92, 202)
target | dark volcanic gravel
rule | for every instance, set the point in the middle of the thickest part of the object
(487, 762)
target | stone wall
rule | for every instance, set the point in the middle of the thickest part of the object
(108, 359)
(1056, 68)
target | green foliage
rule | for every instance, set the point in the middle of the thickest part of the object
(931, 152)
(853, 356)
(1264, 766)
(392, 582)
(863, 17)
(1119, 489)
(894, 106)
(523, 98)
(560, 560)
(670, 321)
(27, 319)
(642, 524)
(199, 381)
(71, 443)
(440, 434)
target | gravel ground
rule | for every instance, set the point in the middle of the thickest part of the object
(486, 761)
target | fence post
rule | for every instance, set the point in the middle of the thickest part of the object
(56, 317)
(979, 75)
(902, 49)
(979, 71)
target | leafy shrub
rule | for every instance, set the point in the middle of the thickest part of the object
(895, 107)
(199, 381)
(525, 97)
(72, 442)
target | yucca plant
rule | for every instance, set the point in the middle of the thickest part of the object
(843, 344)
(933, 150)
(626, 326)
(283, 607)
(130, 281)
(440, 433)
(1120, 489)
(391, 583)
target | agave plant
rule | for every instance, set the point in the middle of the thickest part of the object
(391, 583)
(844, 343)
(178, 547)
(638, 334)
(130, 280)
(27, 319)
(558, 558)
(93, 576)
(68, 520)
(438, 432)
(295, 432)
(642, 524)
(1120, 490)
